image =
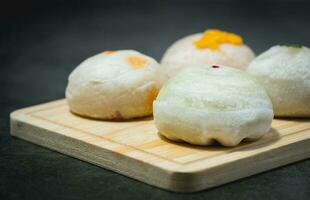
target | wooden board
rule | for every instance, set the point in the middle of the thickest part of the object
(133, 148)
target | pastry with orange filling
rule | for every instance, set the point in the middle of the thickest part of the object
(114, 85)
(211, 47)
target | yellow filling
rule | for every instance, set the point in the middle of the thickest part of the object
(151, 96)
(137, 62)
(109, 52)
(213, 38)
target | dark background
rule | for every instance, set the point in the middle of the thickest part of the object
(42, 41)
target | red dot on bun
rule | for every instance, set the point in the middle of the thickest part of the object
(215, 66)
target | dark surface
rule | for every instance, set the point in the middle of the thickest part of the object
(41, 43)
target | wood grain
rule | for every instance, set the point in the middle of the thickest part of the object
(133, 148)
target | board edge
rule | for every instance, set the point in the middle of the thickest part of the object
(176, 181)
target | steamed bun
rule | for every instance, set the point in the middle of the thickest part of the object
(206, 103)
(210, 47)
(284, 71)
(114, 85)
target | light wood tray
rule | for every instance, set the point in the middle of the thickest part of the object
(133, 148)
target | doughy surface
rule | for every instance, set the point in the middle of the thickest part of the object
(114, 85)
(285, 73)
(202, 104)
(183, 53)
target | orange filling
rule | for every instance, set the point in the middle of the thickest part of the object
(213, 38)
(137, 62)
(151, 96)
(108, 52)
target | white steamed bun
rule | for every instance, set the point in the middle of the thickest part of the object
(114, 85)
(284, 71)
(206, 103)
(211, 47)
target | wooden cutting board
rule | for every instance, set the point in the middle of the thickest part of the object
(133, 148)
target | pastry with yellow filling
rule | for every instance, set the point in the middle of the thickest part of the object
(114, 85)
(211, 47)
